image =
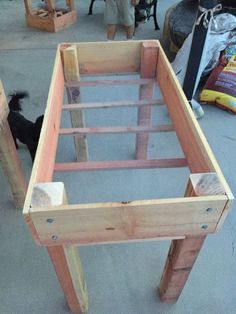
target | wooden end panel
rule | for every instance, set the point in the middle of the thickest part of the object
(109, 57)
(106, 222)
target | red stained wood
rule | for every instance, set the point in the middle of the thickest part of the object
(96, 83)
(113, 104)
(121, 164)
(115, 130)
(148, 70)
(59, 261)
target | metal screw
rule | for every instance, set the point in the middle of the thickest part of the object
(209, 209)
(204, 226)
(50, 220)
(54, 237)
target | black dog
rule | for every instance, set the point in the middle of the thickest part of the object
(22, 129)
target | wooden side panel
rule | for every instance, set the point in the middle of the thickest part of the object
(104, 222)
(45, 157)
(194, 144)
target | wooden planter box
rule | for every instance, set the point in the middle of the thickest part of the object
(51, 19)
(187, 220)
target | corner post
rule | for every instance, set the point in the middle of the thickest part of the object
(148, 66)
(65, 258)
(71, 72)
(183, 253)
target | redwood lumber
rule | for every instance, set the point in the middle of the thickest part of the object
(183, 253)
(148, 71)
(121, 164)
(116, 130)
(65, 259)
(95, 83)
(71, 72)
(113, 104)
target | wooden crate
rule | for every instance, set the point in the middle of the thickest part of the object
(186, 220)
(50, 19)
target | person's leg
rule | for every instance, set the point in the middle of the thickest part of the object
(111, 31)
(129, 30)
(126, 10)
(111, 16)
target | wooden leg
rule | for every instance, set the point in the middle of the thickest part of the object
(67, 265)
(180, 260)
(184, 252)
(9, 160)
(65, 259)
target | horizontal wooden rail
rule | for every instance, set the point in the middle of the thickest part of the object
(113, 104)
(121, 164)
(115, 130)
(95, 83)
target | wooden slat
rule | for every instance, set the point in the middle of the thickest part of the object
(65, 259)
(113, 104)
(115, 130)
(121, 164)
(92, 223)
(148, 70)
(71, 72)
(96, 83)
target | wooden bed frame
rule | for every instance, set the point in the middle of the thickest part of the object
(50, 19)
(60, 226)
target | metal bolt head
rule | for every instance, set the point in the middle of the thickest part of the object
(50, 220)
(204, 227)
(54, 237)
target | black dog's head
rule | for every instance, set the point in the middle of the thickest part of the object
(14, 103)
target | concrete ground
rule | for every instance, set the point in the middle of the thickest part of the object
(121, 279)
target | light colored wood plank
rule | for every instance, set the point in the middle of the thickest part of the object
(9, 160)
(148, 61)
(65, 259)
(92, 223)
(109, 57)
(116, 130)
(71, 72)
(183, 253)
(121, 164)
(113, 104)
(95, 83)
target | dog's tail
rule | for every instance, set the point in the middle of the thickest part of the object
(14, 103)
